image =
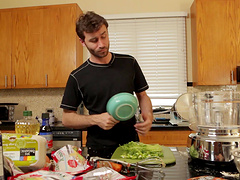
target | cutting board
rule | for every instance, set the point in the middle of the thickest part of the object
(168, 158)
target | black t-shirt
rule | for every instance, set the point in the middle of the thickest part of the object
(94, 84)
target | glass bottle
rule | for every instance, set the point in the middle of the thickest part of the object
(21, 124)
(33, 123)
(46, 132)
(27, 125)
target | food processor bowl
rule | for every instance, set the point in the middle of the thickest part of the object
(214, 116)
(219, 109)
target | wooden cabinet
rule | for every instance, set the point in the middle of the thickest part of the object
(237, 6)
(42, 48)
(169, 138)
(164, 137)
(62, 49)
(5, 49)
(84, 138)
(215, 39)
(7, 131)
(27, 48)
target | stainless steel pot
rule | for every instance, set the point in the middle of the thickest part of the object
(214, 144)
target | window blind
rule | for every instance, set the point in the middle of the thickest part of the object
(159, 45)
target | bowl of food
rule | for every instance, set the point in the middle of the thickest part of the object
(122, 106)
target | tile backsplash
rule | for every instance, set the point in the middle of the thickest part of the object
(37, 100)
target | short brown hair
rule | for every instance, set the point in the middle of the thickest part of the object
(89, 22)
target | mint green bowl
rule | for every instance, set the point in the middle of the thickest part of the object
(122, 106)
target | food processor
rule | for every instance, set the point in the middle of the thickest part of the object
(215, 118)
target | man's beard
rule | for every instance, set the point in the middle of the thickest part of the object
(99, 54)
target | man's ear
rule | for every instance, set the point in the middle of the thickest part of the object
(82, 42)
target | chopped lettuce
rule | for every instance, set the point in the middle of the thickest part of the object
(138, 150)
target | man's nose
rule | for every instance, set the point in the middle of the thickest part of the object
(101, 43)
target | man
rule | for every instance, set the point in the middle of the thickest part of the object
(103, 75)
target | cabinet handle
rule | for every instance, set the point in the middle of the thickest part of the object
(46, 80)
(6, 81)
(14, 81)
(232, 77)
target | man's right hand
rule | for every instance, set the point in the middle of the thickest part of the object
(105, 121)
(73, 120)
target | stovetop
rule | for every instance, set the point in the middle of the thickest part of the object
(186, 167)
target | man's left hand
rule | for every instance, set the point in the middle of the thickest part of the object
(143, 127)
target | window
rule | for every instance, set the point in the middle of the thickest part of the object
(159, 45)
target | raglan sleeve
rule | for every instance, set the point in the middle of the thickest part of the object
(72, 96)
(140, 82)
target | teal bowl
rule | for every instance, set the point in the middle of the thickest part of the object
(122, 106)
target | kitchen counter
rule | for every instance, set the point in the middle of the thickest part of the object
(11, 126)
(169, 127)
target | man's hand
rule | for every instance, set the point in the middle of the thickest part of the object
(77, 121)
(146, 112)
(105, 121)
(143, 127)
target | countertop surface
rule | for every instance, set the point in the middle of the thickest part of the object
(186, 168)
(11, 126)
(7, 126)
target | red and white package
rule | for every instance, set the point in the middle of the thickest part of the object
(43, 175)
(68, 159)
(104, 173)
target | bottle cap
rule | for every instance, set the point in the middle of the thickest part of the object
(25, 113)
(45, 115)
(29, 113)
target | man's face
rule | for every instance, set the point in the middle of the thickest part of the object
(97, 42)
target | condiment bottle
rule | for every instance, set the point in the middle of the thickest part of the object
(46, 132)
(27, 125)
(51, 117)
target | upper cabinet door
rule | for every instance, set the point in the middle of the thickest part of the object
(62, 49)
(5, 49)
(27, 48)
(214, 42)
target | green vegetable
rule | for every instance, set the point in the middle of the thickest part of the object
(138, 150)
(193, 152)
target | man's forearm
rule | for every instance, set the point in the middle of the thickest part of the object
(145, 106)
(73, 120)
